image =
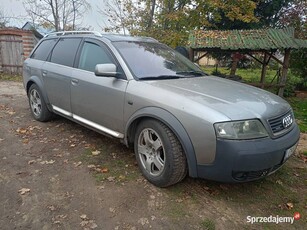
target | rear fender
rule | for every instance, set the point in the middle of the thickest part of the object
(36, 80)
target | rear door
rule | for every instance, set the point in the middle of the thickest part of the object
(57, 74)
(97, 101)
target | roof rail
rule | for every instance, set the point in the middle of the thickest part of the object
(61, 33)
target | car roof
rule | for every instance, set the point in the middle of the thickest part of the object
(110, 37)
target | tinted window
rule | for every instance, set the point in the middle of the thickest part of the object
(65, 51)
(93, 54)
(43, 50)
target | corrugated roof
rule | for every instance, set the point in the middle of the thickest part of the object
(265, 39)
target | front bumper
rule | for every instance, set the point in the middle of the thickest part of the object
(247, 160)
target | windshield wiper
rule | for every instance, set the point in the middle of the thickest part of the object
(191, 72)
(162, 77)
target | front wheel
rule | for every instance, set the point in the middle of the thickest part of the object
(38, 105)
(159, 154)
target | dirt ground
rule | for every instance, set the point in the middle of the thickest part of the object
(59, 175)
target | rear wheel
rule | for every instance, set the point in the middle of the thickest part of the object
(159, 154)
(38, 105)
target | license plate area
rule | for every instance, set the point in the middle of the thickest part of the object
(289, 152)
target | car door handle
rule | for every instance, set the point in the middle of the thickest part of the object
(74, 81)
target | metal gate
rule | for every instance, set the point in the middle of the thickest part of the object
(11, 54)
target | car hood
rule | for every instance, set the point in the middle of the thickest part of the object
(232, 99)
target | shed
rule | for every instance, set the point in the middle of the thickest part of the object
(15, 47)
(267, 41)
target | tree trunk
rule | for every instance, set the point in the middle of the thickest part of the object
(284, 73)
(152, 13)
(234, 64)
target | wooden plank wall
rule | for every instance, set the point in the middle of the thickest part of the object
(15, 47)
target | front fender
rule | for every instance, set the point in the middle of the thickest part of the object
(172, 122)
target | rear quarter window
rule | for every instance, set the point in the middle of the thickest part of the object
(64, 52)
(43, 50)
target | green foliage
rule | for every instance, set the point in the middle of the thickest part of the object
(170, 21)
(298, 66)
(267, 13)
(208, 224)
(299, 106)
(10, 77)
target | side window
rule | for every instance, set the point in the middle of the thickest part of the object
(43, 50)
(93, 54)
(65, 51)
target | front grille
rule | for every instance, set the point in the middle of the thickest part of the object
(277, 125)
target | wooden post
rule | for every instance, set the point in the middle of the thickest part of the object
(284, 72)
(264, 68)
(235, 59)
(191, 54)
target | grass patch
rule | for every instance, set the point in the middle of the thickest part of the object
(299, 106)
(176, 210)
(10, 77)
(112, 163)
(208, 224)
(248, 75)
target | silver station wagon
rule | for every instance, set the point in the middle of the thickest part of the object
(179, 120)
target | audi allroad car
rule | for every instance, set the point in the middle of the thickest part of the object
(179, 119)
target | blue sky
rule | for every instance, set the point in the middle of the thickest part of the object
(14, 8)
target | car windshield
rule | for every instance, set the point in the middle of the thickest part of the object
(150, 61)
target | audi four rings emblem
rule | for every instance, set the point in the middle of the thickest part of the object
(287, 121)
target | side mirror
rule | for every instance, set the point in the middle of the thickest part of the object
(106, 70)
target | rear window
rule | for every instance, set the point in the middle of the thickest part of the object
(43, 50)
(64, 52)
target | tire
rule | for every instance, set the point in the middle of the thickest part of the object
(38, 105)
(159, 154)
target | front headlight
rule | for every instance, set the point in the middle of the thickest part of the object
(240, 130)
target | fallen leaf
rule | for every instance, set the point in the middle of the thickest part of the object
(92, 225)
(84, 217)
(24, 191)
(21, 130)
(121, 177)
(104, 170)
(83, 223)
(111, 178)
(51, 208)
(279, 182)
(77, 164)
(290, 205)
(91, 166)
(47, 162)
(25, 141)
(143, 221)
(31, 162)
(95, 153)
